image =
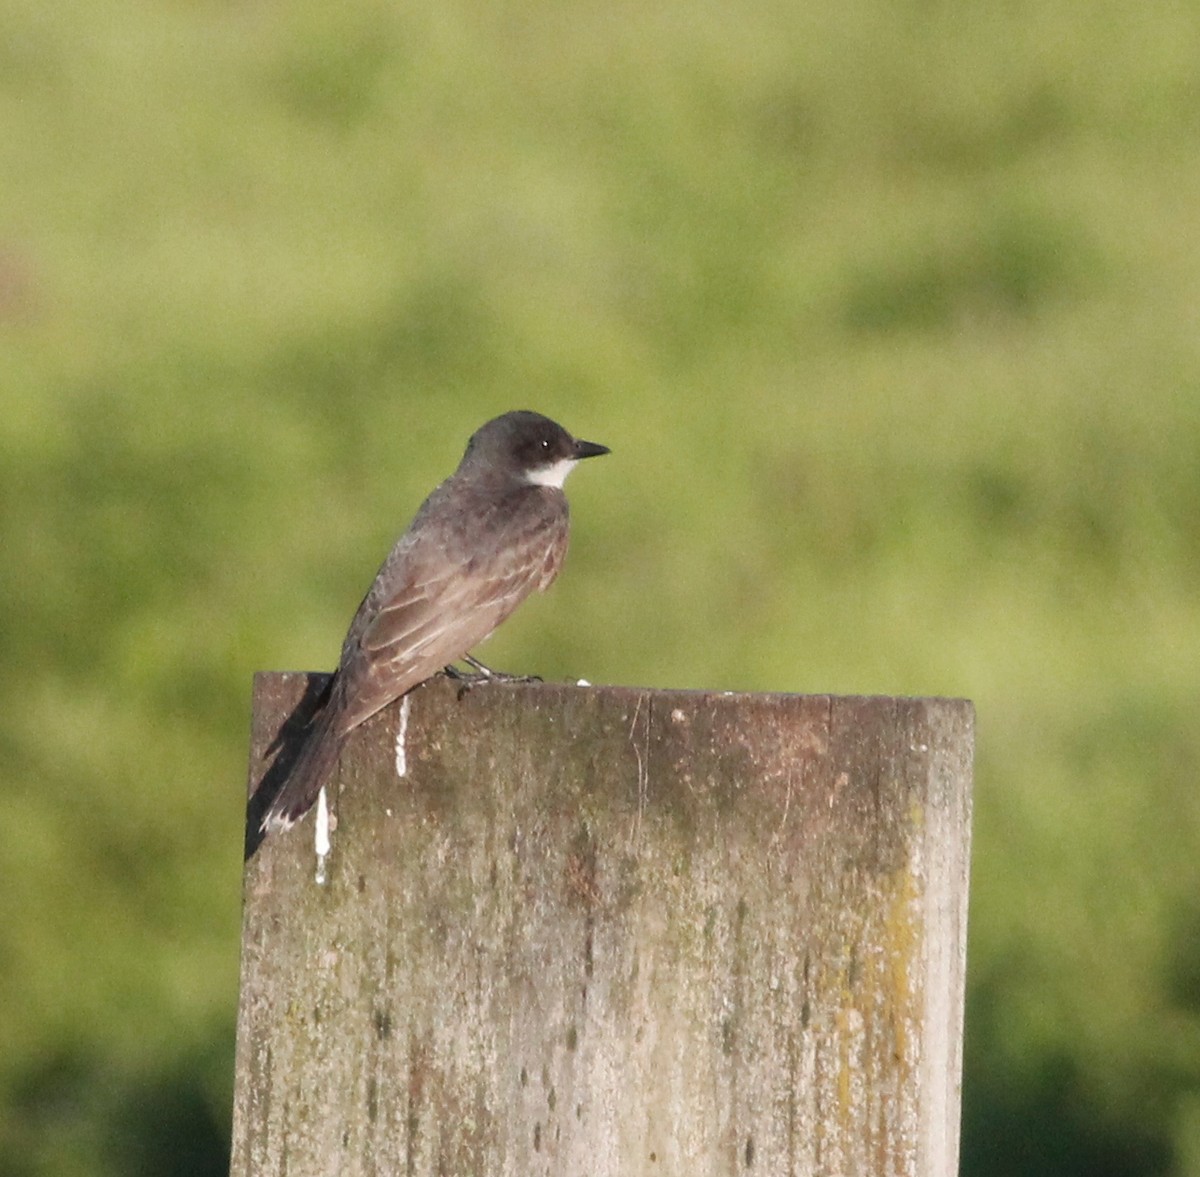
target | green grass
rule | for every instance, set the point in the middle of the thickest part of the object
(888, 314)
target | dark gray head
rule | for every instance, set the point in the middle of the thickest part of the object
(526, 447)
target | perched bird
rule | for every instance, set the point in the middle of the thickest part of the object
(480, 544)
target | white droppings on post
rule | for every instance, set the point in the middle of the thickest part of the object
(321, 841)
(401, 738)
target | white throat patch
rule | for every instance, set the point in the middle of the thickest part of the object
(554, 474)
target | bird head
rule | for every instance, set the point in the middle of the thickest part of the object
(526, 447)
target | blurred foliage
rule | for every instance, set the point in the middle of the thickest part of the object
(889, 314)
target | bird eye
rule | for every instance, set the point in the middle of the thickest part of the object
(545, 443)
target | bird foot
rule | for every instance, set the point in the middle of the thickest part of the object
(467, 679)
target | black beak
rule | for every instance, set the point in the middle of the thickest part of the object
(590, 449)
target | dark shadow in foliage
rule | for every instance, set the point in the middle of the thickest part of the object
(1039, 1121)
(285, 748)
(1005, 268)
(1183, 976)
(80, 1113)
(52, 1107)
(168, 1125)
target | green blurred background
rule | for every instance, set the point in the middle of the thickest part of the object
(889, 313)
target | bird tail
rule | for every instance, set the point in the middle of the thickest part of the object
(312, 770)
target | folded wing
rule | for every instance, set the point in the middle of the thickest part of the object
(442, 603)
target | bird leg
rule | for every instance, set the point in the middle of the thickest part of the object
(481, 674)
(498, 675)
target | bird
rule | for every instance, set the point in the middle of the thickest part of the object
(487, 537)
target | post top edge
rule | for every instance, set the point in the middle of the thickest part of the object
(264, 677)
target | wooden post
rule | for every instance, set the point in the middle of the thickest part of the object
(606, 932)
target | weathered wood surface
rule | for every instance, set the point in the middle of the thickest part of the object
(607, 932)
